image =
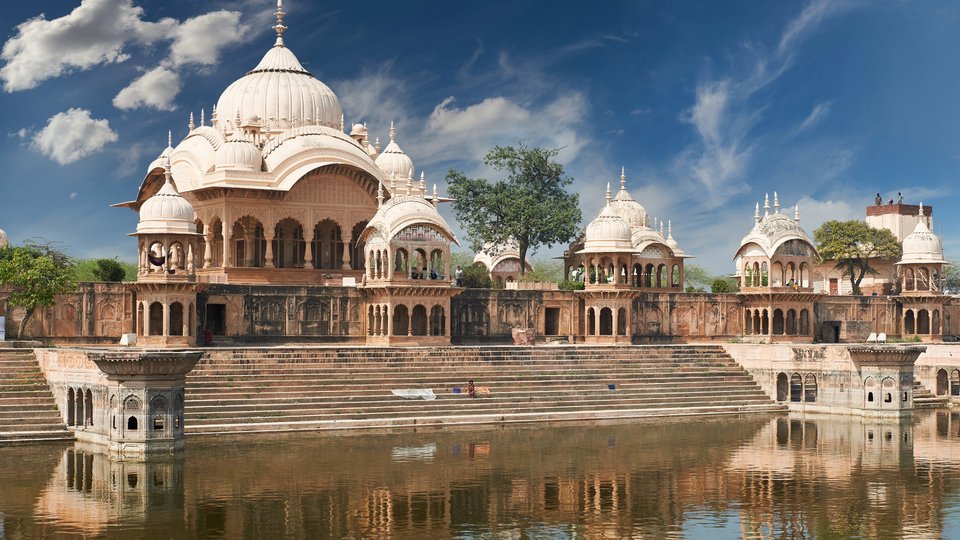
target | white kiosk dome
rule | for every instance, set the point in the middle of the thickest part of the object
(167, 212)
(239, 152)
(393, 161)
(922, 246)
(626, 207)
(774, 230)
(608, 232)
(280, 92)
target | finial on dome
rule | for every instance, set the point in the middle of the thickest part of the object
(379, 194)
(376, 145)
(393, 132)
(921, 209)
(796, 213)
(203, 120)
(661, 227)
(169, 138)
(410, 185)
(623, 178)
(342, 125)
(669, 229)
(608, 193)
(167, 179)
(756, 213)
(279, 27)
(766, 204)
(423, 185)
(191, 124)
(213, 116)
(776, 203)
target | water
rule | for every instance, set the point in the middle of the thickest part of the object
(749, 477)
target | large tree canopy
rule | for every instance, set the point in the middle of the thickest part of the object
(36, 273)
(851, 245)
(530, 207)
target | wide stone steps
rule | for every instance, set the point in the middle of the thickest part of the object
(923, 398)
(281, 389)
(28, 412)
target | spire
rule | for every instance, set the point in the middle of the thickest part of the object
(213, 116)
(236, 121)
(423, 185)
(435, 199)
(410, 185)
(203, 121)
(169, 138)
(379, 194)
(393, 131)
(167, 179)
(796, 213)
(756, 213)
(669, 229)
(766, 205)
(190, 124)
(608, 193)
(661, 227)
(623, 178)
(341, 122)
(776, 203)
(376, 145)
(921, 209)
(279, 27)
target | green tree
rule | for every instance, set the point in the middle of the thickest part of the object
(546, 270)
(109, 270)
(530, 207)
(696, 278)
(85, 270)
(36, 273)
(723, 285)
(851, 245)
(476, 276)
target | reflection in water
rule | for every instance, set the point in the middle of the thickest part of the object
(753, 477)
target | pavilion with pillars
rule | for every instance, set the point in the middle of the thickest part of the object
(773, 271)
(920, 272)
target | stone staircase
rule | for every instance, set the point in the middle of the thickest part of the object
(923, 398)
(28, 412)
(290, 389)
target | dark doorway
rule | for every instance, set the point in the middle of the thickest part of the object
(552, 322)
(216, 319)
(830, 332)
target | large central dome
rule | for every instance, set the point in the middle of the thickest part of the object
(281, 94)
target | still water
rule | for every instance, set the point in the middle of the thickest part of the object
(749, 477)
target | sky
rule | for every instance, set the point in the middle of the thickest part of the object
(707, 105)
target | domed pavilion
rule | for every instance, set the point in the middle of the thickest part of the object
(920, 272)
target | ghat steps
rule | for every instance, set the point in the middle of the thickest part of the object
(28, 412)
(291, 389)
(923, 398)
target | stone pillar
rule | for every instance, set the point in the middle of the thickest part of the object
(308, 251)
(409, 321)
(227, 245)
(596, 321)
(248, 249)
(268, 258)
(389, 325)
(166, 319)
(346, 253)
(614, 330)
(208, 250)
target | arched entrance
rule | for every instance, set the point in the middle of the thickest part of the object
(783, 387)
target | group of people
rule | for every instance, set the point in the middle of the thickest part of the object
(879, 199)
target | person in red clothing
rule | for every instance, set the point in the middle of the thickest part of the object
(471, 389)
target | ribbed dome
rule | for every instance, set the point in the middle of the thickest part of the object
(282, 94)
(608, 232)
(627, 208)
(922, 246)
(393, 162)
(4, 239)
(167, 213)
(239, 153)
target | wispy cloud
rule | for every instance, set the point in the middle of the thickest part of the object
(819, 112)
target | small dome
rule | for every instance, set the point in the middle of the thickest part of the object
(393, 162)
(922, 246)
(772, 231)
(4, 239)
(402, 211)
(608, 232)
(167, 212)
(358, 130)
(624, 206)
(239, 153)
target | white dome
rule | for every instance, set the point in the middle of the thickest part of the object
(774, 230)
(167, 212)
(282, 94)
(4, 239)
(608, 232)
(624, 206)
(922, 246)
(239, 153)
(402, 211)
(393, 162)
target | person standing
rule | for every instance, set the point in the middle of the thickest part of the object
(459, 275)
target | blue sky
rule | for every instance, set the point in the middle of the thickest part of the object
(708, 105)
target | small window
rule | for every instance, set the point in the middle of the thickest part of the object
(132, 480)
(870, 396)
(158, 423)
(113, 419)
(906, 397)
(176, 421)
(132, 423)
(870, 435)
(888, 398)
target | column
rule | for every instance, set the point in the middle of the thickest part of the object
(390, 264)
(346, 253)
(146, 319)
(208, 249)
(596, 321)
(166, 319)
(227, 245)
(248, 249)
(613, 312)
(409, 321)
(386, 310)
(308, 251)
(186, 319)
(268, 259)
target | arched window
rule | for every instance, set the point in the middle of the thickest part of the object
(621, 322)
(778, 322)
(796, 388)
(783, 387)
(591, 322)
(942, 382)
(810, 388)
(908, 323)
(88, 407)
(955, 382)
(71, 407)
(923, 322)
(401, 320)
(132, 423)
(419, 320)
(156, 319)
(791, 322)
(606, 322)
(176, 319)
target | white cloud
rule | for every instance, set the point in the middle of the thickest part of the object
(814, 212)
(93, 33)
(819, 112)
(99, 31)
(72, 135)
(199, 40)
(156, 88)
(74, 195)
(376, 97)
